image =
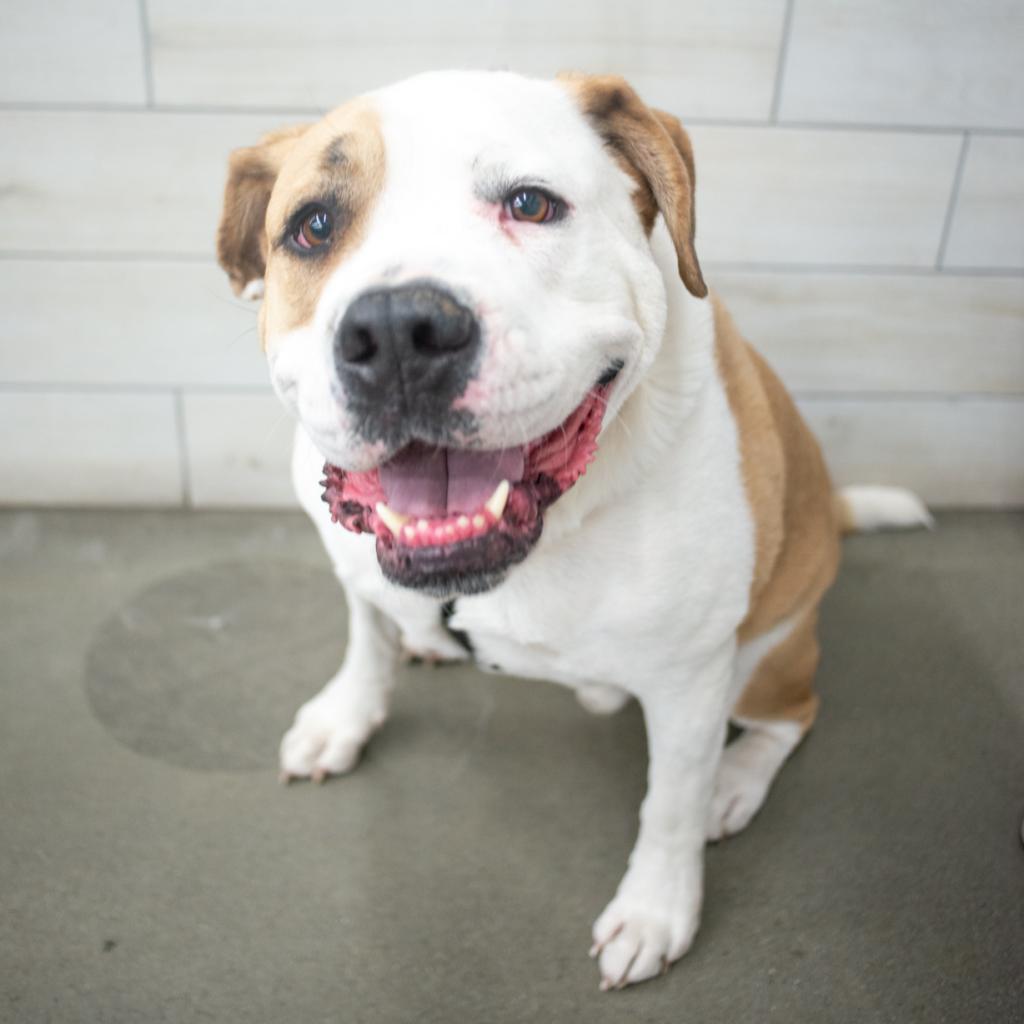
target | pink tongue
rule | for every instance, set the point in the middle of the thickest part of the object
(422, 481)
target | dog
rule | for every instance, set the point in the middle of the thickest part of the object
(528, 434)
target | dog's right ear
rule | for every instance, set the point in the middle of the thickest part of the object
(242, 236)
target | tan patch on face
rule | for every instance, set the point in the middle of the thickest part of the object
(655, 151)
(790, 496)
(252, 171)
(339, 163)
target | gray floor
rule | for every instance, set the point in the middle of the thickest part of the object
(152, 869)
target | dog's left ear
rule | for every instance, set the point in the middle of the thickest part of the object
(242, 236)
(654, 145)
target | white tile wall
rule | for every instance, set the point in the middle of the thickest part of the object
(958, 451)
(908, 62)
(72, 51)
(109, 182)
(712, 57)
(773, 195)
(883, 333)
(988, 228)
(145, 323)
(239, 447)
(876, 260)
(88, 448)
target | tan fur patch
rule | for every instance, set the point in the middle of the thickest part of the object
(791, 498)
(653, 148)
(782, 686)
(252, 171)
(340, 159)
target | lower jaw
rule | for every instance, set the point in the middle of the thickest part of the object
(468, 567)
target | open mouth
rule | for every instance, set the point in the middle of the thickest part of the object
(451, 520)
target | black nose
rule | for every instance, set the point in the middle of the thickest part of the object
(403, 355)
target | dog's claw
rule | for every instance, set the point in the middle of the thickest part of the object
(319, 776)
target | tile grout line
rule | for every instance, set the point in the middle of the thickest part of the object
(858, 269)
(938, 397)
(183, 463)
(178, 392)
(954, 199)
(695, 120)
(147, 57)
(735, 266)
(113, 256)
(780, 67)
(89, 387)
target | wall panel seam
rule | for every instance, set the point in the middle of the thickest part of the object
(185, 469)
(147, 53)
(780, 67)
(220, 110)
(954, 199)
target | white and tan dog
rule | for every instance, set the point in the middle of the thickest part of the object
(477, 286)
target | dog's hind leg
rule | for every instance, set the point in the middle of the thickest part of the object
(331, 730)
(776, 707)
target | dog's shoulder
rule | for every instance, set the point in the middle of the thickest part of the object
(786, 482)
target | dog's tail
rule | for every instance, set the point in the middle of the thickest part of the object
(861, 509)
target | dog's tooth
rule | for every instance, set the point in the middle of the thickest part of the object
(495, 504)
(393, 520)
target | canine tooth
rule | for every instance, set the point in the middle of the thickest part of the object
(393, 520)
(495, 504)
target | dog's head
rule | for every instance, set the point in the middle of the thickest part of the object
(458, 291)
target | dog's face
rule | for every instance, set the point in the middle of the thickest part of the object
(459, 291)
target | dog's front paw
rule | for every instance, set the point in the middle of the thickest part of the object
(634, 941)
(329, 734)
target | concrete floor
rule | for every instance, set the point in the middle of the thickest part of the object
(152, 869)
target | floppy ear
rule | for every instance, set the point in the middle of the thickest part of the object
(242, 236)
(657, 150)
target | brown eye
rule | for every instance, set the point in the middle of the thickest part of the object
(531, 205)
(314, 229)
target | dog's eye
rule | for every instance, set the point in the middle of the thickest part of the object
(314, 229)
(530, 204)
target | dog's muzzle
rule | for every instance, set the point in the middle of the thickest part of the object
(403, 355)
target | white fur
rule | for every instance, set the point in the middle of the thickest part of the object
(555, 309)
(602, 698)
(253, 291)
(879, 508)
(748, 768)
(642, 574)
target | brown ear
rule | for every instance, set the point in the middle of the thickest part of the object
(657, 149)
(241, 235)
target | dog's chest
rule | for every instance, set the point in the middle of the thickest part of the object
(612, 604)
